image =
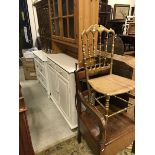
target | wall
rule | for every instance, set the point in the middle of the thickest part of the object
(112, 2)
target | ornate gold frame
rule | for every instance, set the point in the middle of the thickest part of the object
(121, 11)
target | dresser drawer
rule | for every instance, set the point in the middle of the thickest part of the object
(52, 64)
(39, 67)
(41, 79)
(62, 72)
(39, 61)
(36, 65)
(42, 70)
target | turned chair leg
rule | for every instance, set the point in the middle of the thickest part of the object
(102, 152)
(79, 136)
(133, 147)
(78, 115)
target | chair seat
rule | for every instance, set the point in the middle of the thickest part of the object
(112, 84)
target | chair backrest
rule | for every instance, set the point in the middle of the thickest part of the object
(96, 56)
(80, 79)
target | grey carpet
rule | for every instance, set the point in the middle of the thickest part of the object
(46, 124)
(47, 127)
(71, 147)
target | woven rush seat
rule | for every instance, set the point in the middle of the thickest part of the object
(112, 84)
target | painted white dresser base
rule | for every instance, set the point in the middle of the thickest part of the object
(61, 77)
(58, 71)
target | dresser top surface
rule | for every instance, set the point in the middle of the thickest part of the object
(64, 61)
(40, 54)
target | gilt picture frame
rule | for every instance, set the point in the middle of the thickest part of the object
(121, 11)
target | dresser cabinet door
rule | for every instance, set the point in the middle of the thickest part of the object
(62, 86)
(53, 84)
(64, 95)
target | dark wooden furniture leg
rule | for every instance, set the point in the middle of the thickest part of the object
(79, 112)
(133, 147)
(25, 144)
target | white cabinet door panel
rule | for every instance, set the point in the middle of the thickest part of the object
(62, 86)
(64, 95)
(53, 83)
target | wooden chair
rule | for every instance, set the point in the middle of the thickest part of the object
(107, 127)
(103, 137)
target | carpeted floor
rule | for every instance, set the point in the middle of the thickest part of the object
(46, 124)
(49, 136)
(71, 147)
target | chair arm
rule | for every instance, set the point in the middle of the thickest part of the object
(129, 60)
(96, 113)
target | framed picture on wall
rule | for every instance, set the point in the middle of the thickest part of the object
(121, 11)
